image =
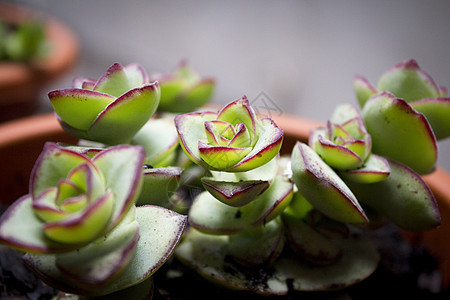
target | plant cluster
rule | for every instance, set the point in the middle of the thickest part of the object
(22, 42)
(102, 216)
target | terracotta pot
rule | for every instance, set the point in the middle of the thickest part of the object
(22, 140)
(20, 83)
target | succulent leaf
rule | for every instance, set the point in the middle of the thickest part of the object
(407, 81)
(207, 255)
(184, 90)
(122, 168)
(309, 243)
(84, 227)
(26, 236)
(363, 90)
(160, 140)
(100, 262)
(110, 110)
(259, 245)
(233, 140)
(400, 132)
(437, 112)
(159, 185)
(403, 197)
(375, 169)
(323, 188)
(212, 216)
(79, 107)
(113, 125)
(160, 231)
(235, 193)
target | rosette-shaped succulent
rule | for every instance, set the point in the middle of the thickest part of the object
(345, 145)
(80, 213)
(184, 90)
(409, 82)
(109, 110)
(233, 139)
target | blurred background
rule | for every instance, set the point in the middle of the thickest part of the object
(300, 57)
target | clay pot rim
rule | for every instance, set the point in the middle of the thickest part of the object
(63, 42)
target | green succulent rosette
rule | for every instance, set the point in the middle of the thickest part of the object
(232, 140)
(110, 110)
(79, 225)
(345, 145)
(184, 90)
(409, 82)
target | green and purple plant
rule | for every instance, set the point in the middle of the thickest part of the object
(97, 218)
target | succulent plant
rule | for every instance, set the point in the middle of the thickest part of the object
(184, 90)
(298, 217)
(83, 233)
(232, 140)
(110, 110)
(409, 82)
(22, 42)
(98, 219)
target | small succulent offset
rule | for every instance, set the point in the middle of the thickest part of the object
(410, 83)
(232, 140)
(110, 110)
(184, 90)
(23, 42)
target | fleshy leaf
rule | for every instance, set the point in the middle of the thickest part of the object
(84, 227)
(240, 111)
(363, 90)
(53, 163)
(358, 261)
(212, 216)
(437, 112)
(159, 185)
(78, 107)
(26, 236)
(159, 139)
(207, 254)
(105, 259)
(191, 129)
(241, 138)
(197, 96)
(309, 243)
(375, 169)
(407, 81)
(123, 118)
(344, 113)
(259, 245)
(170, 90)
(400, 132)
(114, 82)
(122, 168)
(337, 156)
(270, 139)
(323, 188)
(45, 207)
(221, 158)
(403, 197)
(235, 193)
(160, 231)
(88, 178)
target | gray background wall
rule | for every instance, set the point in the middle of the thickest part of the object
(303, 55)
